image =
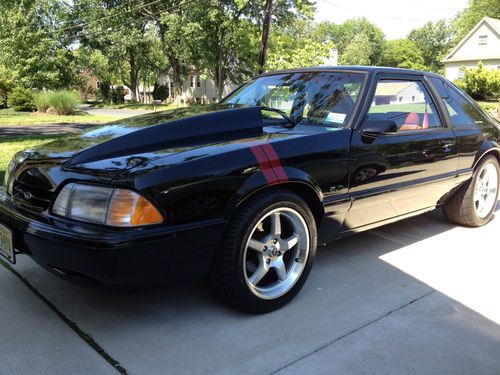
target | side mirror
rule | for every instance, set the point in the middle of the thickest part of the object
(374, 128)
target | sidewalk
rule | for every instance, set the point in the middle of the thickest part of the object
(34, 340)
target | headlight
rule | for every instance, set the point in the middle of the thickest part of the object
(103, 205)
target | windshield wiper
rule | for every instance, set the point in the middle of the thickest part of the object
(291, 122)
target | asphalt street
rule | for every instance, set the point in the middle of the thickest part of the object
(421, 296)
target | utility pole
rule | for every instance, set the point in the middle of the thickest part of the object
(266, 24)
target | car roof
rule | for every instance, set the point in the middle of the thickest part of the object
(350, 68)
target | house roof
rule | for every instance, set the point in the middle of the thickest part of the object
(493, 23)
(391, 88)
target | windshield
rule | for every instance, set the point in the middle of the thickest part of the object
(309, 98)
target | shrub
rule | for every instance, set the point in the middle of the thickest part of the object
(42, 101)
(118, 95)
(160, 92)
(21, 99)
(481, 83)
(104, 92)
(6, 85)
(63, 101)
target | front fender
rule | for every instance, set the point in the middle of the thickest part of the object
(257, 182)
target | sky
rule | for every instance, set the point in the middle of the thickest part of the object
(395, 17)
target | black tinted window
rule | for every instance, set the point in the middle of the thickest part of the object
(309, 98)
(439, 85)
(463, 113)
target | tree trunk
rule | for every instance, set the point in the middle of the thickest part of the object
(134, 76)
(265, 34)
(176, 79)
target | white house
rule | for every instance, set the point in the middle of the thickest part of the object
(482, 43)
(391, 92)
(195, 88)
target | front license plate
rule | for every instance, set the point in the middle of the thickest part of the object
(6, 244)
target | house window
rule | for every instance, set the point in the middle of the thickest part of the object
(483, 40)
(192, 81)
(198, 81)
(98, 84)
(413, 98)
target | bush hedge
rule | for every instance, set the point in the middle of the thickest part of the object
(481, 83)
(41, 101)
(21, 99)
(63, 102)
(160, 92)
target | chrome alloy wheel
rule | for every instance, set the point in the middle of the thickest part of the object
(485, 190)
(276, 253)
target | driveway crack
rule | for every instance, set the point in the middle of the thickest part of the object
(83, 335)
(353, 331)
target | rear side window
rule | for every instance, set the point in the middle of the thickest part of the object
(405, 102)
(463, 114)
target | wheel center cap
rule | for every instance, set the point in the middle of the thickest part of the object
(274, 251)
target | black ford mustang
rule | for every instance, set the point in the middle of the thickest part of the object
(245, 189)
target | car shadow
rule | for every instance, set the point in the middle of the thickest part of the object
(186, 328)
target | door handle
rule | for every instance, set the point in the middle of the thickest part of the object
(447, 145)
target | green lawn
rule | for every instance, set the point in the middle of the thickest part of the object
(161, 107)
(10, 145)
(406, 108)
(10, 117)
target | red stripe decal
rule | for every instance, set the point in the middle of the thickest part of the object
(264, 164)
(275, 162)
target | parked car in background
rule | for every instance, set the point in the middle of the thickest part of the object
(244, 190)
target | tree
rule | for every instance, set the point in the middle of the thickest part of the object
(358, 52)
(434, 41)
(31, 49)
(228, 44)
(285, 12)
(402, 53)
(296, 46)
(120, 31)
(343, 35)
(470, 16)
(6, 85)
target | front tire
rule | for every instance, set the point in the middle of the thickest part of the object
(266, 253)
(474, 204)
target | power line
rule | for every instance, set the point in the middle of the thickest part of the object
(124, 26)
(109, 16)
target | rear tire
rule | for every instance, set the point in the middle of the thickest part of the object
(266, 253)
(474, 203)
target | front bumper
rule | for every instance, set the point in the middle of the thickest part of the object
(101, 255)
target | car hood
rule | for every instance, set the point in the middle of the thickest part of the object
(127, 143)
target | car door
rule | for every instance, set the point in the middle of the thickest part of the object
(467, 122)
(404, 170)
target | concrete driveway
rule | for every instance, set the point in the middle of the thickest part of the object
(421, 296)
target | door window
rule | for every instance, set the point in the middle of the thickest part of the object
(463, 114)
(405, 102)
